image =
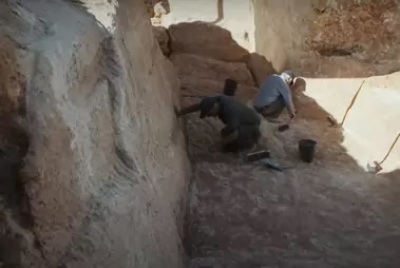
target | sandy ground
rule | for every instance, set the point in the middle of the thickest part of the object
(326, 214)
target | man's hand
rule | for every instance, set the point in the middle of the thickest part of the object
(292, 114)
(187, 110)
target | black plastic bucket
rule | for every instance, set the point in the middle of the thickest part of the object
(307, 150)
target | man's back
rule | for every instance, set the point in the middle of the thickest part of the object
(270, 91)
(232, 110)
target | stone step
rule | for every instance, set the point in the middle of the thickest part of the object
(205, 39)
(206, 68)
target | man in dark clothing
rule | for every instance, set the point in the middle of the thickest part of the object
(242, 124)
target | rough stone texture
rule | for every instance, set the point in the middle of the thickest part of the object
(205, 68)
(259, 67)
(105, 177)
(205, 39)
(366, 30)
(14, 208)
(236, 16)
(162, 38)
(200, 76)
(311, 35)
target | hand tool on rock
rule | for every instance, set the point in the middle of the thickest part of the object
(273, 164)
(286, 126)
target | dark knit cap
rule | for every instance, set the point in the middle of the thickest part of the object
(206, 105)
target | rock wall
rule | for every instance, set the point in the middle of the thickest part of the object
(104, 179)
(236, 16)
(207, 40)
(329, 38)
(204, 55)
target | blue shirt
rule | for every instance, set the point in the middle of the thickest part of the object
(272, 88)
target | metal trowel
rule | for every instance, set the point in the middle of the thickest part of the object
(285, 127)
(273, 164)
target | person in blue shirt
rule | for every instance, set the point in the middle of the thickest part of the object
(275, 95)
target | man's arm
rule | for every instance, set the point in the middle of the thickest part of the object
(287, 96)
(190, 109)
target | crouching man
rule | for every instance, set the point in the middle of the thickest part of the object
(275, 95)
(242, 124)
